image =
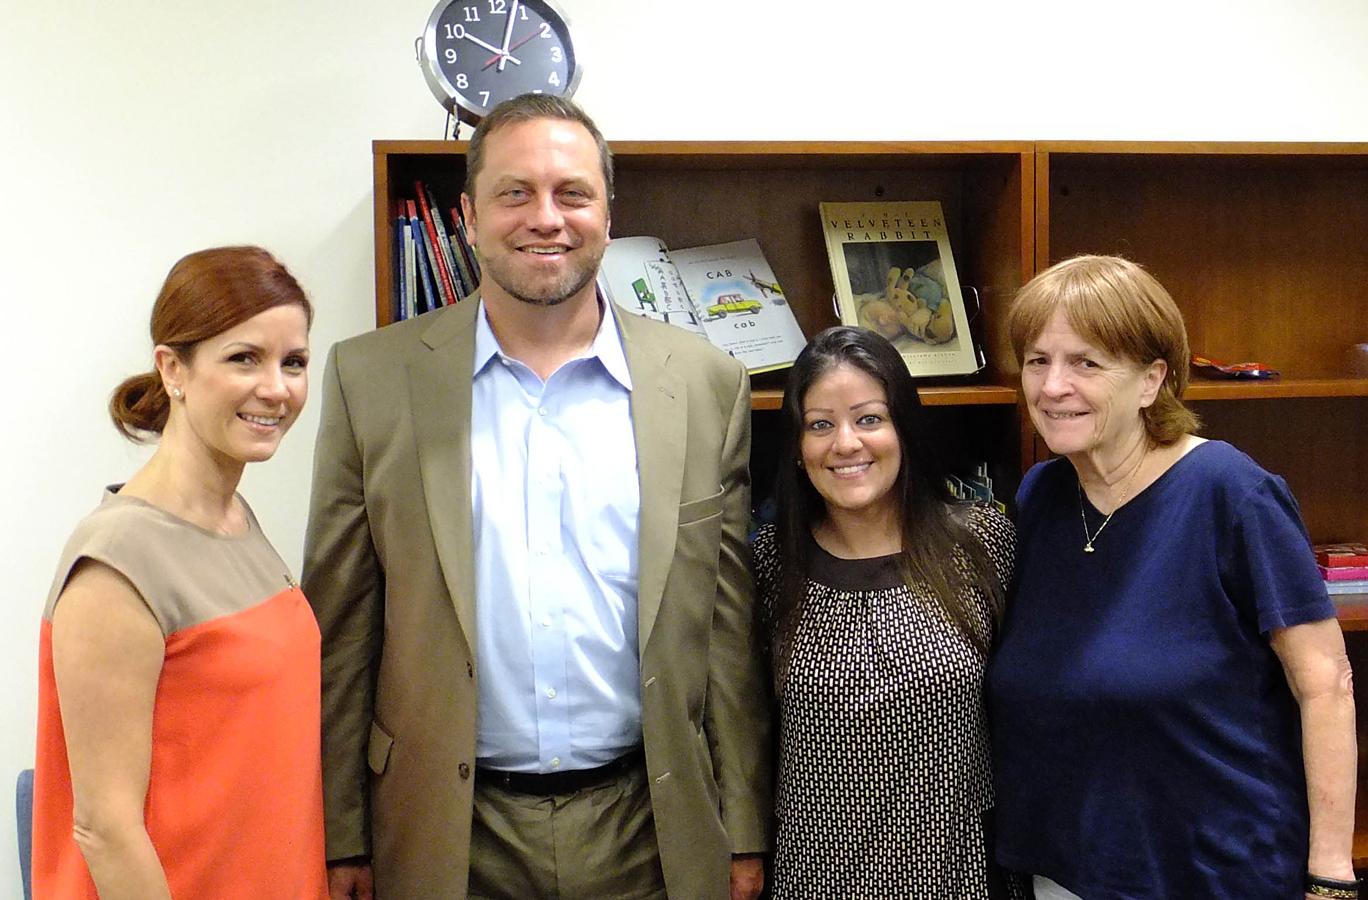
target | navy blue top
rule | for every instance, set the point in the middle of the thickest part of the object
(1145, 741)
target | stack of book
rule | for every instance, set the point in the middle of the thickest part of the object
(434, 266)
(1344, 568)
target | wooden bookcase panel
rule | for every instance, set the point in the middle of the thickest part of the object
(1258, 245)
(1319, 446)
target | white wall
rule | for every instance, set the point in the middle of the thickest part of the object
(134, 132)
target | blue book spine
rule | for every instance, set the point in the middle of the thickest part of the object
(428, 299)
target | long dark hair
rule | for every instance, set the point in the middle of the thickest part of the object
(938, 548)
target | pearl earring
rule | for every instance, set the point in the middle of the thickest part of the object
(177, 393)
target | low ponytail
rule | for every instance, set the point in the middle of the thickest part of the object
(140, 407)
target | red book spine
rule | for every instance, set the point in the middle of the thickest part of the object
(449, 294)
(1338, 555)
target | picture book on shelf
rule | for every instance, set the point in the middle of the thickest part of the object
(726, 293)
(894, 274)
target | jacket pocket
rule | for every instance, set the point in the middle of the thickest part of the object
(698, 510)
(378, 749)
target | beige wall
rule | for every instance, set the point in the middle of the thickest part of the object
(133, 132)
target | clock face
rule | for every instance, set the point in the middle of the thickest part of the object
(478, 53)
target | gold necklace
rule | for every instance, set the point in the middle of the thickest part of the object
(1125, 492)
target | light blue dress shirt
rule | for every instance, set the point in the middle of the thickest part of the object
(556, 500)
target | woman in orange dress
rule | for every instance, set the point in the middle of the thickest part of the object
(178, 710)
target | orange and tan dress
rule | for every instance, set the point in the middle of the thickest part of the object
(234, 802)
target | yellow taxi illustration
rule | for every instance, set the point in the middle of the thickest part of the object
(735, 304)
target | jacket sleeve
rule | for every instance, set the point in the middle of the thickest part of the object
(737, 717)
(345, 585)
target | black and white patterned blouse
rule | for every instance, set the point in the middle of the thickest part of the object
(884, 770)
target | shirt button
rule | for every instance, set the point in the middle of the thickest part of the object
(546, 622)
(555, 763)
(541, 410)
(464, 770)
(551, 693)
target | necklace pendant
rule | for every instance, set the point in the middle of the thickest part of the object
(1088, 547)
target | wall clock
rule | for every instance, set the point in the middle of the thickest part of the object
(477, 53)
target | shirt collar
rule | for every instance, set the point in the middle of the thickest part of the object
(607, 346)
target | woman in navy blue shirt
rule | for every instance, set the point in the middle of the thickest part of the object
(1171, 701)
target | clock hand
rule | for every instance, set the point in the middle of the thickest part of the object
(508, 33)
(474, 40)
(524, 40)
(505, 55)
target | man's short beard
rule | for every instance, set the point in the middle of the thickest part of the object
(559, 296)
(556, 300)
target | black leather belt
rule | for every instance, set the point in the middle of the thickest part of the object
(549, 783)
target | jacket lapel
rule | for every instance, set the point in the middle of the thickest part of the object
(659, 423)
(439, 394)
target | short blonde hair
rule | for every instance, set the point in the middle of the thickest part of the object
(1118, 307)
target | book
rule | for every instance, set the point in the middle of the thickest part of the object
(726, 293)
(461, 286)
(437, 249)
(426, 297)
(410, 291)
(462, 252)
(894, 274)
(1343, 573)
(1348, 587)
(1339, 555)
(397, 268)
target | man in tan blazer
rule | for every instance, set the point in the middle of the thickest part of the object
(390, 567)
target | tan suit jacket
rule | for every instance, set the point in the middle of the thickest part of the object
(389, 570)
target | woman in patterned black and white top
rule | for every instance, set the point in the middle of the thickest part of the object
(881, 596)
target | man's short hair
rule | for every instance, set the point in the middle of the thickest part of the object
(527, 108)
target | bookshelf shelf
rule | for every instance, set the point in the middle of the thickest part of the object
(1284, 388)
(969, 395)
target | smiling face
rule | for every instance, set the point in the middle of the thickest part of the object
(850, 448)
(1085, 402)
(242, 389)
(539, 215)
